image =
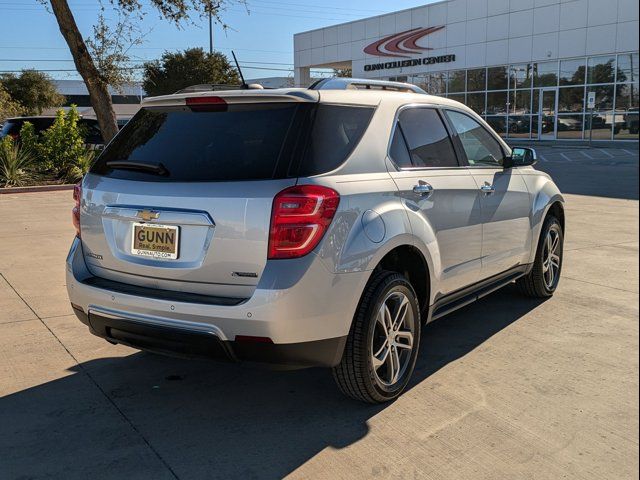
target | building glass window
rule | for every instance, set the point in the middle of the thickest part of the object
(598, 126)
(475, 101)
(570, 99)
(604, 96)
(456, 81)
(519, 102)
(519, 126)
(497, 78)
(627, 68)
(520, 76)
(458, 97)
(572, 72)
(601, 69)
(476, 80)
(497, 103)
(570, 126)
(545, 74)
(498, 123)
(626, 112)
(433, 83)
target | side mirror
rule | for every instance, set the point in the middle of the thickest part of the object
(521, 157)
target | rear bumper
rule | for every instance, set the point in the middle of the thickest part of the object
(303, 310)
(194, 344)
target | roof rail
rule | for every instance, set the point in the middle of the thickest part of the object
(341, 83)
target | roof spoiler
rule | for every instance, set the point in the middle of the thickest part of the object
(341, 83)
(212, 87)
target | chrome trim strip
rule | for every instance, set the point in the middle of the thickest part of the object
(185, 325)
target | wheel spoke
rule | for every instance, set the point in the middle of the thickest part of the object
(394, 362)
(381, 357)
(404, 340)
(554, 245)
(401, 313)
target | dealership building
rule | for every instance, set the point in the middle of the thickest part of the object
(534, 69)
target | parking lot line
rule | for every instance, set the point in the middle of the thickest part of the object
(605, 153)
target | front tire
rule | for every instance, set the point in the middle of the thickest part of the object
(542, 281)
(382, 347)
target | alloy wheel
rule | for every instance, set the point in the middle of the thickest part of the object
(551, 258)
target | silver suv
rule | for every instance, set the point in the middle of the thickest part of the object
(306, 227)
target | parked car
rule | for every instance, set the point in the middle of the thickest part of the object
(41, 123)
(307, 227)
(631, 120)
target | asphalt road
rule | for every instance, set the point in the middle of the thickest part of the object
(506, 388)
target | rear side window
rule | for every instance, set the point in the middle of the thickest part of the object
(336, 131)
(242, 142)
(427, 139)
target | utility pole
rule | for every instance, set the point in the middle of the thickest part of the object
(210, 32)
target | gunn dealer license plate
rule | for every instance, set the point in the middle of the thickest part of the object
(155, 241)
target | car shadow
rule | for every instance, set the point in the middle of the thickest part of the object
(209, 420)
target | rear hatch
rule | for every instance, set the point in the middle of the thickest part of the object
(181, 199)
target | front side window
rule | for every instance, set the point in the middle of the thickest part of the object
(424, 138)
(481, 148)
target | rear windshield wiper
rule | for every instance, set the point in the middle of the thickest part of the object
(157, 168)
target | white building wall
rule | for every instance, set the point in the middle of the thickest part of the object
(479, 33)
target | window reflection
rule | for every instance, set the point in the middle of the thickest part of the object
(601, 69)
(519, 102)
(497, 78)
(496, 102)
(572, 72)
(499, 124)
(520, 76)
(475, 101)
(456, 81)
(570, 99)
(570, 126)
(476, 80)
(627, 68)
(545, 74)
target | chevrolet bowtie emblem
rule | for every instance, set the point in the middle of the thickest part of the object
(147, 215)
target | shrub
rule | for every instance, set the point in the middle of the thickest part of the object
(62, 144)
(15, 164)
(84, 162)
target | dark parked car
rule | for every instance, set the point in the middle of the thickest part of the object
(93, 135)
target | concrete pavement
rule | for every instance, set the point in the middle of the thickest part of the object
(506, 388)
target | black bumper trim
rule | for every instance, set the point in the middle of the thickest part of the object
(182, 343)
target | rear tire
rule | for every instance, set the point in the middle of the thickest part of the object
(542, 281)
(382, 346)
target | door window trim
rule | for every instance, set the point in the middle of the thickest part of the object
(458, 143)
(445, 123)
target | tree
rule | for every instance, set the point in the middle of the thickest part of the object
(8, 106)
(342, 72)
(182, 69)
(33, 90)
(175, 11)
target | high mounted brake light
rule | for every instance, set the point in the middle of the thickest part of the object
(206, 104)
(299, 219)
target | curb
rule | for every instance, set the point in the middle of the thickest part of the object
(41, 188)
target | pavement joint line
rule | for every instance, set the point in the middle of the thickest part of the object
(93, 380)
(19, 321)
(600, 285)
(601, 245)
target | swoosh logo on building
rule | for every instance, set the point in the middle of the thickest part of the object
(401, 44)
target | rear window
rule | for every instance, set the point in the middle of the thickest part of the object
(245, 142)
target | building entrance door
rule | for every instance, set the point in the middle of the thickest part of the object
(548, 115)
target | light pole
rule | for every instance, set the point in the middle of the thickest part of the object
(210, 32)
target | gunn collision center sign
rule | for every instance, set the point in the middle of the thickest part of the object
(402, 45)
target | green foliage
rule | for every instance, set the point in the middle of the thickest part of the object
(62, 144)
(28, 137)
(82, 165)
(8, 106)
(33, 90)
(182, 69)
(15, 164)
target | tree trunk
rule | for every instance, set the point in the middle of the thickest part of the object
(98, 91)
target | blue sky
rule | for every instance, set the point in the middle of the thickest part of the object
(261, 35)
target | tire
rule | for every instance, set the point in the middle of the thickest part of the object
(539, 282)
(356, 375)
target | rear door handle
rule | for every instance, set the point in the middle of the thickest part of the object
(487, 188)
(423, 189)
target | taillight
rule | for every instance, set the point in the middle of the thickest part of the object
(299, 218)
(206, 104)
(75, 212)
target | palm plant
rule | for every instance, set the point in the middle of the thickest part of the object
(15, 165)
